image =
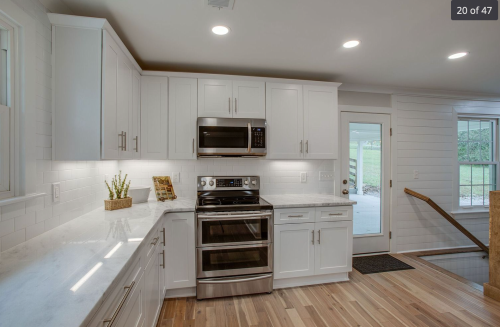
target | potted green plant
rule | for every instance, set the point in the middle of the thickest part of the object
(118, 193)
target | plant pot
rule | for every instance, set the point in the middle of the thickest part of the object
(117, 204)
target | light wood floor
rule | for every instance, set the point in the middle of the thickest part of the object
(417, 297)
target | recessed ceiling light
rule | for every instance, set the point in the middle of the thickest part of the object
(458, 55)
(220, 30)
(351, 44)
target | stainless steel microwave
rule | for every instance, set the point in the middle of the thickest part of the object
(231, 137)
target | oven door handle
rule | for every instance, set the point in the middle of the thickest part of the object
(228, 217)
(236, 280)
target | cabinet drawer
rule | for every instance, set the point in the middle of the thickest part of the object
(293, 216)
(333, 213)
(112, 302)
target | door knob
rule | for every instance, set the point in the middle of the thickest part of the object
(344, 191)
(344, 181)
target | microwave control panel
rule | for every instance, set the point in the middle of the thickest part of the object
(258, 137)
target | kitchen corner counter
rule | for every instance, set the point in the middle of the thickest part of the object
(306, 200)
(36, 277)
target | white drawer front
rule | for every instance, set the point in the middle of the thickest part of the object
(333, 213)
(294, 216)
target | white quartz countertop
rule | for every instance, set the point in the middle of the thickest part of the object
(306, 200)
(36, 277)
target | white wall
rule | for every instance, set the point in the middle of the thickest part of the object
(277, 176)
(82, 187)
(426, 141)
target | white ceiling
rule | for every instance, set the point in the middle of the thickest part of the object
(404, 43)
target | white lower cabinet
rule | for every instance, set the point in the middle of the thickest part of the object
(180, 250)
(133, 309)
(313, 248)
(152, 292)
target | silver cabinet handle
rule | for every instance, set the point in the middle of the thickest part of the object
(319, 236)
(163, 231)
(249, 137)
(235, 105)
(313, 236)
(335, 214)
(295, 216)
(136, 139)
(121, 141)
(155, 240)
(163, 262)
(300, 146)
(193, 145)
(231, 280)
(125, 141)
(229, 106)
(307, 146)
(112, 320)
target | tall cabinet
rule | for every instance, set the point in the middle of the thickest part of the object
(303, 121)
(96, 89)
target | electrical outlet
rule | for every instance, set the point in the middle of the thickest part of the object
(176, 177)
(56, 192)
(326, 175)
(303, 177)
(415, 174)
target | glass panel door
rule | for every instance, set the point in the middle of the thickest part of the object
(365, 176)
(365, 171)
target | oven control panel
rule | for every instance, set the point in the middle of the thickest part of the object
(228, 183)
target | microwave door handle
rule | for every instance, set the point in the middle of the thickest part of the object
(249, 137)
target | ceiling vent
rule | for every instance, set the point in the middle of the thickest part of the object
(220, 4)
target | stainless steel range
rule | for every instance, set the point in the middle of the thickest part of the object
(234, 245)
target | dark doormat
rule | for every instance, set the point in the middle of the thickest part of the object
(378, 263)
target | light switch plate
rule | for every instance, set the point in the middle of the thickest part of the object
(303, 177)
(326, 175)
(56, 192)
(176, 177)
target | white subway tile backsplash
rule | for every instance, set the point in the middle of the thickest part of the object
(25, 220)
(7, 227)
(13, 210)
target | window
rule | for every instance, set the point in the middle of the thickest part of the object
(478, 160)
(6, 112)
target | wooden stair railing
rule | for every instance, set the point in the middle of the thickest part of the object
(449, 218)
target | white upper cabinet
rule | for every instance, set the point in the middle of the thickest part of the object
(302, 121)
(215, 97)
(320, 122)
(182, 118)
(231, 99)
(284, 113)
(154, 117)
(249, 99)
(135, 122)
(95, 91)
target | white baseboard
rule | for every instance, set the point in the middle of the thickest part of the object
(310, 280)
(181, 292)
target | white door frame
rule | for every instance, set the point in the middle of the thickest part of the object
(391, 148)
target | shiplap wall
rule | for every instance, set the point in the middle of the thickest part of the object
(82, 187)
(426, 142)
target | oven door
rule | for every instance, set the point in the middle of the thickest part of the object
(234, 229)
(234, 260)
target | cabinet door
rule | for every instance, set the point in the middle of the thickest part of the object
(110, 138)
(132, 313)
(249, 99)
(284, 113)
(333, 248)
(152, 297)
(181, 250)
(182, 118)
(163, 257)
(124, 104)
(154, 117)
(320, 122)
(293, 250)
(215, 98)
(135, 121)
